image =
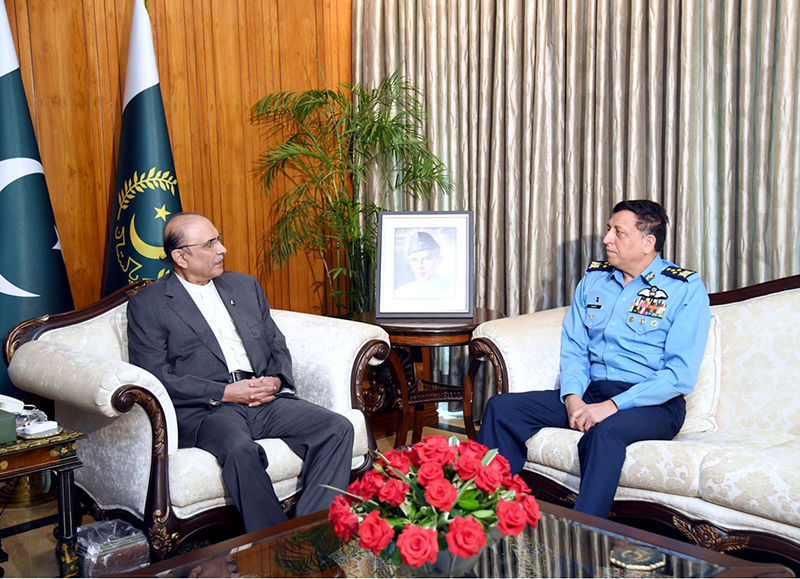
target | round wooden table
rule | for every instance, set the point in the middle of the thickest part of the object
(418, 336)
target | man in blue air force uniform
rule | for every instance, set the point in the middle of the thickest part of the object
(631, 347)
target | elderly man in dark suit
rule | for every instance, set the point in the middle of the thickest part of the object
(208, 336)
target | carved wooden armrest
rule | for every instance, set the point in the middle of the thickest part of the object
(160, 530)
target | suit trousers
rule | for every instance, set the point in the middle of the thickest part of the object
(321, 437)
(511, 419)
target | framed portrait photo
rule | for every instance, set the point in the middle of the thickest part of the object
(425, 264)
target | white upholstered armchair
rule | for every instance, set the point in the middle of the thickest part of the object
(133, 467)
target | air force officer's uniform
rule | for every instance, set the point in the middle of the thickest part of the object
(639, 345)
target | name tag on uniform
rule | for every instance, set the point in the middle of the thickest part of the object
(594, 306)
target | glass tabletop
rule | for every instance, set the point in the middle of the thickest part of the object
(557, 547)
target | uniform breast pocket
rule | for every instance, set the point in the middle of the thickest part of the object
(593, 318)
(648, 329)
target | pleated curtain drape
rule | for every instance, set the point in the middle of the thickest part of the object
(548, 112)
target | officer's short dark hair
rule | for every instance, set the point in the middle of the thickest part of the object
(651, 219)
(175, 235)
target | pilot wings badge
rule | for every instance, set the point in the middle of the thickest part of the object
(653, 293)
(650, 301)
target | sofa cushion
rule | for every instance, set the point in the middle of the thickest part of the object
(195, 478)
(99, 336)
(702, 402)
(760, 365)
(517, 337)
(672, 467)
(737, 438)
(766, 484)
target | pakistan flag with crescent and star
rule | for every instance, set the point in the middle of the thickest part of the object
(146, 190)
(33, 278)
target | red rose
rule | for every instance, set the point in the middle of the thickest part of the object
(342, 519)
(354, 489)
(516, 484)
(488, 479)
(511, 517)
(435, 449)
(467, 467)
(371, 483)
(466, 537)
(398, 460)
(441, 494)
(393, 492)
(417, 545)
(375, 533)
(429, 472)
(531, 508)
(500, 464)
(473, 449)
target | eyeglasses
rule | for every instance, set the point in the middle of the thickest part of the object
(206, 244)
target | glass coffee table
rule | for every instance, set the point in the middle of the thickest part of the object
(564, 544)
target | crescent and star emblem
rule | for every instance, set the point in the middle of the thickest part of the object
(11, 170)
(144, 248)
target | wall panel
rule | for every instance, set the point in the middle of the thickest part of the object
(215, 59)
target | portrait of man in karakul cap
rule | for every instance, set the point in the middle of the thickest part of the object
(424, 259)
(421, 241)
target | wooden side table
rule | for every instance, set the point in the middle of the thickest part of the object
(419, 336)
(57, 453)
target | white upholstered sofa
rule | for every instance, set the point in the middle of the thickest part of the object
(731, 478)
(133, 467)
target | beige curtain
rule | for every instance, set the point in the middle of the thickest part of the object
(549, 112)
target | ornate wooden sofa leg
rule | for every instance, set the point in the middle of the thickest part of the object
(162, 542)
(709, 537)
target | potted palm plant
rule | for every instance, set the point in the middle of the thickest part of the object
(327, 143)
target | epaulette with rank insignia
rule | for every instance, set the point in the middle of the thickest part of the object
(600, 266)
(678, 273)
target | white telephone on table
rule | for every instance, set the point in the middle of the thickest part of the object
(10, 404)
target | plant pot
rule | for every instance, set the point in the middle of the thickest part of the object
(447, 565)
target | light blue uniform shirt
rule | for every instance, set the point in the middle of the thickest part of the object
(651, 333)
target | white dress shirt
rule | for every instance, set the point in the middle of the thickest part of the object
(210, 305)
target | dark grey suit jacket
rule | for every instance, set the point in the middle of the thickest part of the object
(169, 337)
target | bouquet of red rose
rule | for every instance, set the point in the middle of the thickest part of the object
(439, 495)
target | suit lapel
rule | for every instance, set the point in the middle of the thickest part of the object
(183, 305)
(236, 304)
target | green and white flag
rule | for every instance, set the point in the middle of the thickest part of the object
(33, 278)
(146, 190)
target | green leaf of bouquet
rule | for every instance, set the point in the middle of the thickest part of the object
(442, 542)
(396, 558)
(507, 495)
(470, 495)
(396, 522)
(484, 514)
(468, 504)
(488, 456)
(453, 441)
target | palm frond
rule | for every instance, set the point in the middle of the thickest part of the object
(325, 143)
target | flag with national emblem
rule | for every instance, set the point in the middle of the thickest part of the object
(146, 190)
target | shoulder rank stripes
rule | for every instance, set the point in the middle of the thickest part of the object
(600, 266)
(678, 273)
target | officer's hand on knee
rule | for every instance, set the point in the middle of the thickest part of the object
(595, 414)
(574, 405)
